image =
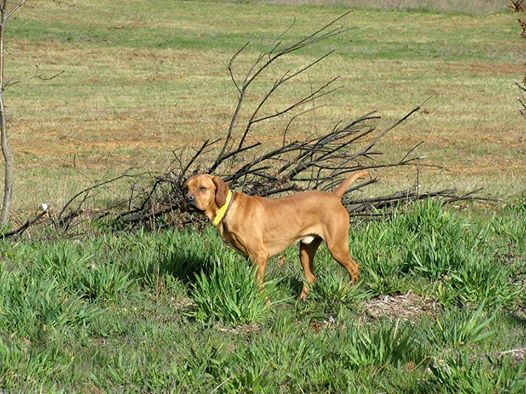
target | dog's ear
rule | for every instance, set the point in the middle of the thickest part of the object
(221, 191)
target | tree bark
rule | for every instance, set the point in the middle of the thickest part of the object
(4, 139)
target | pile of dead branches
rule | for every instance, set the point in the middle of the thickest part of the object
(316, 161)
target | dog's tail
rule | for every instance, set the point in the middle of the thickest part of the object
(340, 190)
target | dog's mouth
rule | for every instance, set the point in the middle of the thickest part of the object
(189, 206)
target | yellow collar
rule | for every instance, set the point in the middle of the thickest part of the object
(222, 211)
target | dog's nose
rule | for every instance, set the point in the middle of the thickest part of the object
(189, 197)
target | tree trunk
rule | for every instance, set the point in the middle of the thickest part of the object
(8, 170)
(4, 140)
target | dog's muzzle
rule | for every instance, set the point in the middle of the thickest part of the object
(189, 202)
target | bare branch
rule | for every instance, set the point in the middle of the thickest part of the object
(258, 67)
(39, 76)
(296, 116)
(318, 93)
(92, 187)
(25, 226)
(15, 9)
(230, 65)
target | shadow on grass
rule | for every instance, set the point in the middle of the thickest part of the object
(181, 264)
(518, 317)
(184, 268)
(293, 283)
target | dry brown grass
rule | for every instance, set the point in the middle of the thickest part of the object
(124, 101)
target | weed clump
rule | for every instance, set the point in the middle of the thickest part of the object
(229, 293)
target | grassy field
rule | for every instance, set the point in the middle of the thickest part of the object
(476, 7)
(142, 78)
(440, 309)
(441, 306)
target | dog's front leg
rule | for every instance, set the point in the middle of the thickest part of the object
(261, 265)
(260, 259)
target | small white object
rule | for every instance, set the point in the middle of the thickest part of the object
(44, 206)
(307, 240)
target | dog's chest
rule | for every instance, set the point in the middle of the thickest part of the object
(233, 239)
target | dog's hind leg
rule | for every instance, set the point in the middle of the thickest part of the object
(340, 253)
(307, 252)
(337, 241)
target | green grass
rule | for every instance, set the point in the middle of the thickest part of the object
(389, 35)
(475, 7)
(181, 311)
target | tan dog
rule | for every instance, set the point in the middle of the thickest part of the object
(260, 227)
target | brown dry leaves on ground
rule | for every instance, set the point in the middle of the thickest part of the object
(408, 306)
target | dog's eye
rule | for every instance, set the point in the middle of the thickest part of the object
(202, 189)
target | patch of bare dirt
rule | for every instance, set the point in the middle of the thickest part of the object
(328, 323)
(518, 355)
(480, 68)
(242, 329)
(408, 306)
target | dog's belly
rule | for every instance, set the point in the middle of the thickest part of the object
(278, 244)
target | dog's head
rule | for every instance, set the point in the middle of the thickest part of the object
(205, 192)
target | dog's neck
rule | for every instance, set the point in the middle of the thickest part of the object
(218, 214)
